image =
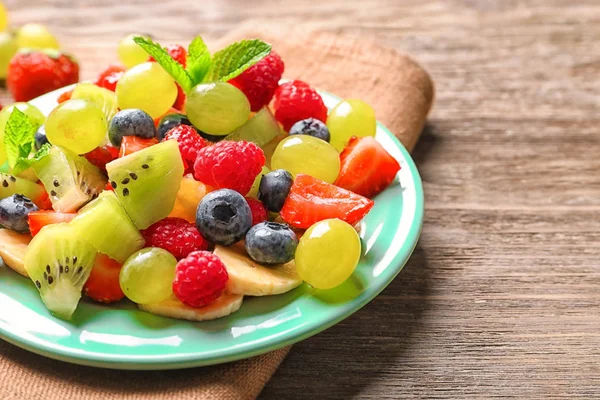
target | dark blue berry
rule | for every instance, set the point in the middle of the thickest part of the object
(271, 243)
(274, 188)
(13, 212)
(223, 217)
(311, 127)
(169, 122)
(130, 122)
(40, 137)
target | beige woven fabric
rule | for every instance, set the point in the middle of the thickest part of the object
(401, 93)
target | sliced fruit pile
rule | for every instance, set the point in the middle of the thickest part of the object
(185, 181)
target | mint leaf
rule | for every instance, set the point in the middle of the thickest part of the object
(18, 137)
(172, 67)
(198, 60)
(24, 163)
(236, 58)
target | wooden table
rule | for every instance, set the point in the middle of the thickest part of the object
(502, 295)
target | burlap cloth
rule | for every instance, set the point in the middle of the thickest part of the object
(401, 93)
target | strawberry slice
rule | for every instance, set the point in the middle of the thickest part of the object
(103, 284)
(39, 219)
(131, 144)
(366, 167)
(311, 200)
(101, 156)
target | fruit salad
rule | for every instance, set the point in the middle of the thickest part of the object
(184, 180)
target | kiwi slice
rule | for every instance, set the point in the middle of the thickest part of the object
(146, 182)
(260, 129)
(105, 224)
(59, 262)
(10, 184)
(70, 180)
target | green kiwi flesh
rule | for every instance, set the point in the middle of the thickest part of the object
(260, 129)
(146, 182)
(59, 261)
(10, 184)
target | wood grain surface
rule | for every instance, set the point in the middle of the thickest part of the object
(502, 295)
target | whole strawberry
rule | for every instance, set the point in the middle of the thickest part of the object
(260, 81)
(295, 101)
(34, 73)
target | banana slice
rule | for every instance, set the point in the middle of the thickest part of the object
(173, 308)
(13, 246)
(252, 279)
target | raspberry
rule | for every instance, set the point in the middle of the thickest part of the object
(189, 142)
(259, 212)
(177, 53)
(295, 101)
(200, 279)
(231, 165)
(260, 80)
(109, 78)
(176, 235)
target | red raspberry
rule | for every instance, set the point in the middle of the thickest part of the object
(295, 101)
(109, 78)
(177, 53)
(200, 279)
(190, 143)
(231, 165)
(260, 80)
(176, 235)
(259, 212)
(34, 73)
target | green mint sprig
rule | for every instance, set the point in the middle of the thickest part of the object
(19, 142)
(224, 65)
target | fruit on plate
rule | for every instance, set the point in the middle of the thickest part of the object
(106, 226)
(109, 78)
(147, 275)
(77, 125)
(311, 127)
(105, 99)
(70, 180)
(250, 278)
(39, 219)
(223, 217)
(258, 210)
(36, 36)
(217, 108)
(173, 308)
(13, 247)
(170, 121)
(176, 235)
(8, 48)
(130, 122)
(10, 184)
(190, 143)
(200, 279)
(349, 118)
(311, 200)
(295, 101)
(303, 154)
(366, 167)
(189, 195)
(102, 155)
(130, 54)
(328, 253)
(13, 212)
(271, 243)
(131, 144)
(253, 193)
(274, 189)
(32, 73)
(59, 262)
(146, 182)
(260, 129)
(103, 283)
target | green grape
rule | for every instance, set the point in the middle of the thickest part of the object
(3, 18)
(36, 36)
(103, 98)
(147, 275)
(303, 154)
(8, 48)
(253, 193)
(217, 108)
(350, 118)
(148, 87)
(35, 116)
(77, 125)
(327, 253)
(130, 53)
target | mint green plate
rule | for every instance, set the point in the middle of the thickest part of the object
(122, 337)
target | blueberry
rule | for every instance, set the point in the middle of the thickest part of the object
(13, 212)
(40, 137)
(274, 188)
(311, 127)
(271, 243)
(130, 122)
(169, 122)
(223, 217)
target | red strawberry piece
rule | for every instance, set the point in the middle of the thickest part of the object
(190, 143)
(260, 81)
(109, 78)
(103, 284)
(64, 96)
(259, 212)
(34, 73)
(200, 279)
(366, 167)
(39, 219)
(311, 200)
(176, 235)
(101, 156)
(180, 100)
(295, 101)
(131, 144)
